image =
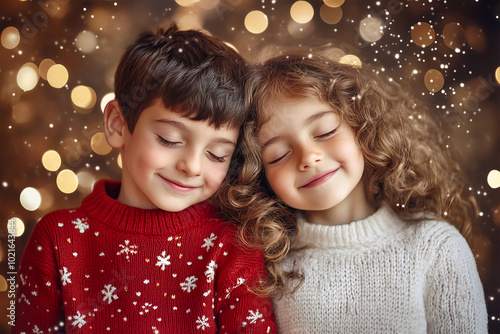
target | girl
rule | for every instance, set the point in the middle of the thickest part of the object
(381, 208)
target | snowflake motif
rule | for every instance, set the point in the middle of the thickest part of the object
(127, 249)
(163, 261)
(108, 292)
(80, 224)
(239, 282)
(189, 285)
(202, 322)
(23, 296)
(254, 316)
(37, 330)
(209, 242)
(79, 320)
(210, 273)
(65, 274)
(23, 280)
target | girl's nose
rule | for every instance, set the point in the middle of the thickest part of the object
(309, 157)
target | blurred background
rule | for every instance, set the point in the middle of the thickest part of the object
(58, 57)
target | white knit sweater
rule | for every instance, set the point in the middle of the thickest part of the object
(383, 275)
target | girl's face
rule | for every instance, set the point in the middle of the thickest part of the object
(311, 159)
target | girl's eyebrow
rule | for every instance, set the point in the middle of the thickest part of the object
(308, 121)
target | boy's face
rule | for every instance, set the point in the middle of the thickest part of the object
(171, 162)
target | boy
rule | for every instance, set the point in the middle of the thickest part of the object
(149, 254)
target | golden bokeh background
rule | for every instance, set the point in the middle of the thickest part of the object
(58, 57)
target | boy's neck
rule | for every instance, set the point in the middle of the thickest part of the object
(354, 207)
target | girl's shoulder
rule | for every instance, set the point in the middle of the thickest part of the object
(436, 234)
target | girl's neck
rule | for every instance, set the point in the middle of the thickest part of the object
(354, 207)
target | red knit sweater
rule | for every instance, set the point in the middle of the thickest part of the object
(109, 268)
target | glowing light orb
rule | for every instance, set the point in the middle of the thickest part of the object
(51, 160)
(106, 99)
(186, 3)
(423, 34)
(27, 77)
(351, 60)
(15, 225)
(66, 181)
(256, 22)
(3, 284)
(330, 15)
(453, 35)
(83, 97)
(494, 179)
(334, 3)
(86, 41)
(302, 12)
(10, 37)
(119, 160)
(99, 144)
(371, 29)
(57, 76)
(434, 80)
(30, 199)
(44, 67)
(497, 74)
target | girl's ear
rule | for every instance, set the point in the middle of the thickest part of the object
(114, 124)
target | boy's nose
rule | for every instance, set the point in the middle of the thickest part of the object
(191, 165)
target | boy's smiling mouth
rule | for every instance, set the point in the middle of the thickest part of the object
(179, 186)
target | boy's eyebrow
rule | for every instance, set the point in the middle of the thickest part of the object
(308, 121)
(178, 125)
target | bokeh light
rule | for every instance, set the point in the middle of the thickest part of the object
(99, 144)
(10, 37)
(106, 99)
(66, 181)
(351, 60)
(494, 179)
(57, 76)
(30, 199)
(302, 12)
(86, 181)
(44, 67)
(334, 3)
(497, 74)
(86, 41)
(422, 34)
(83, 97)
(434, 80)
(22, 112)
(371, 29)
(186, 3)
(256, 22)
(3, 284)
(51, 160)
(27, 77)
(18, 226)
(330, 15)
(453, 35)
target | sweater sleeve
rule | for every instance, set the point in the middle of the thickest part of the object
(238, 309)
(38, 301)
(454, 296)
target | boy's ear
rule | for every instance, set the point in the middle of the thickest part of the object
(114, 124)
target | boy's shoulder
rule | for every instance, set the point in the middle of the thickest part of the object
(57, 219)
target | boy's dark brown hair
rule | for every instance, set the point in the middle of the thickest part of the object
(194, 74)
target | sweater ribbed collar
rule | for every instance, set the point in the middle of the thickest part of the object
(382, 224)
(101, 205)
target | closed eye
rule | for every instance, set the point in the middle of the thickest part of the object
(215, 157)
(275, 161)
(328, 134)
(167, 143)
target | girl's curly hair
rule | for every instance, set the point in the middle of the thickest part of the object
(407, 164)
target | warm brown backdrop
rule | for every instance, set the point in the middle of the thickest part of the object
(88, 37)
